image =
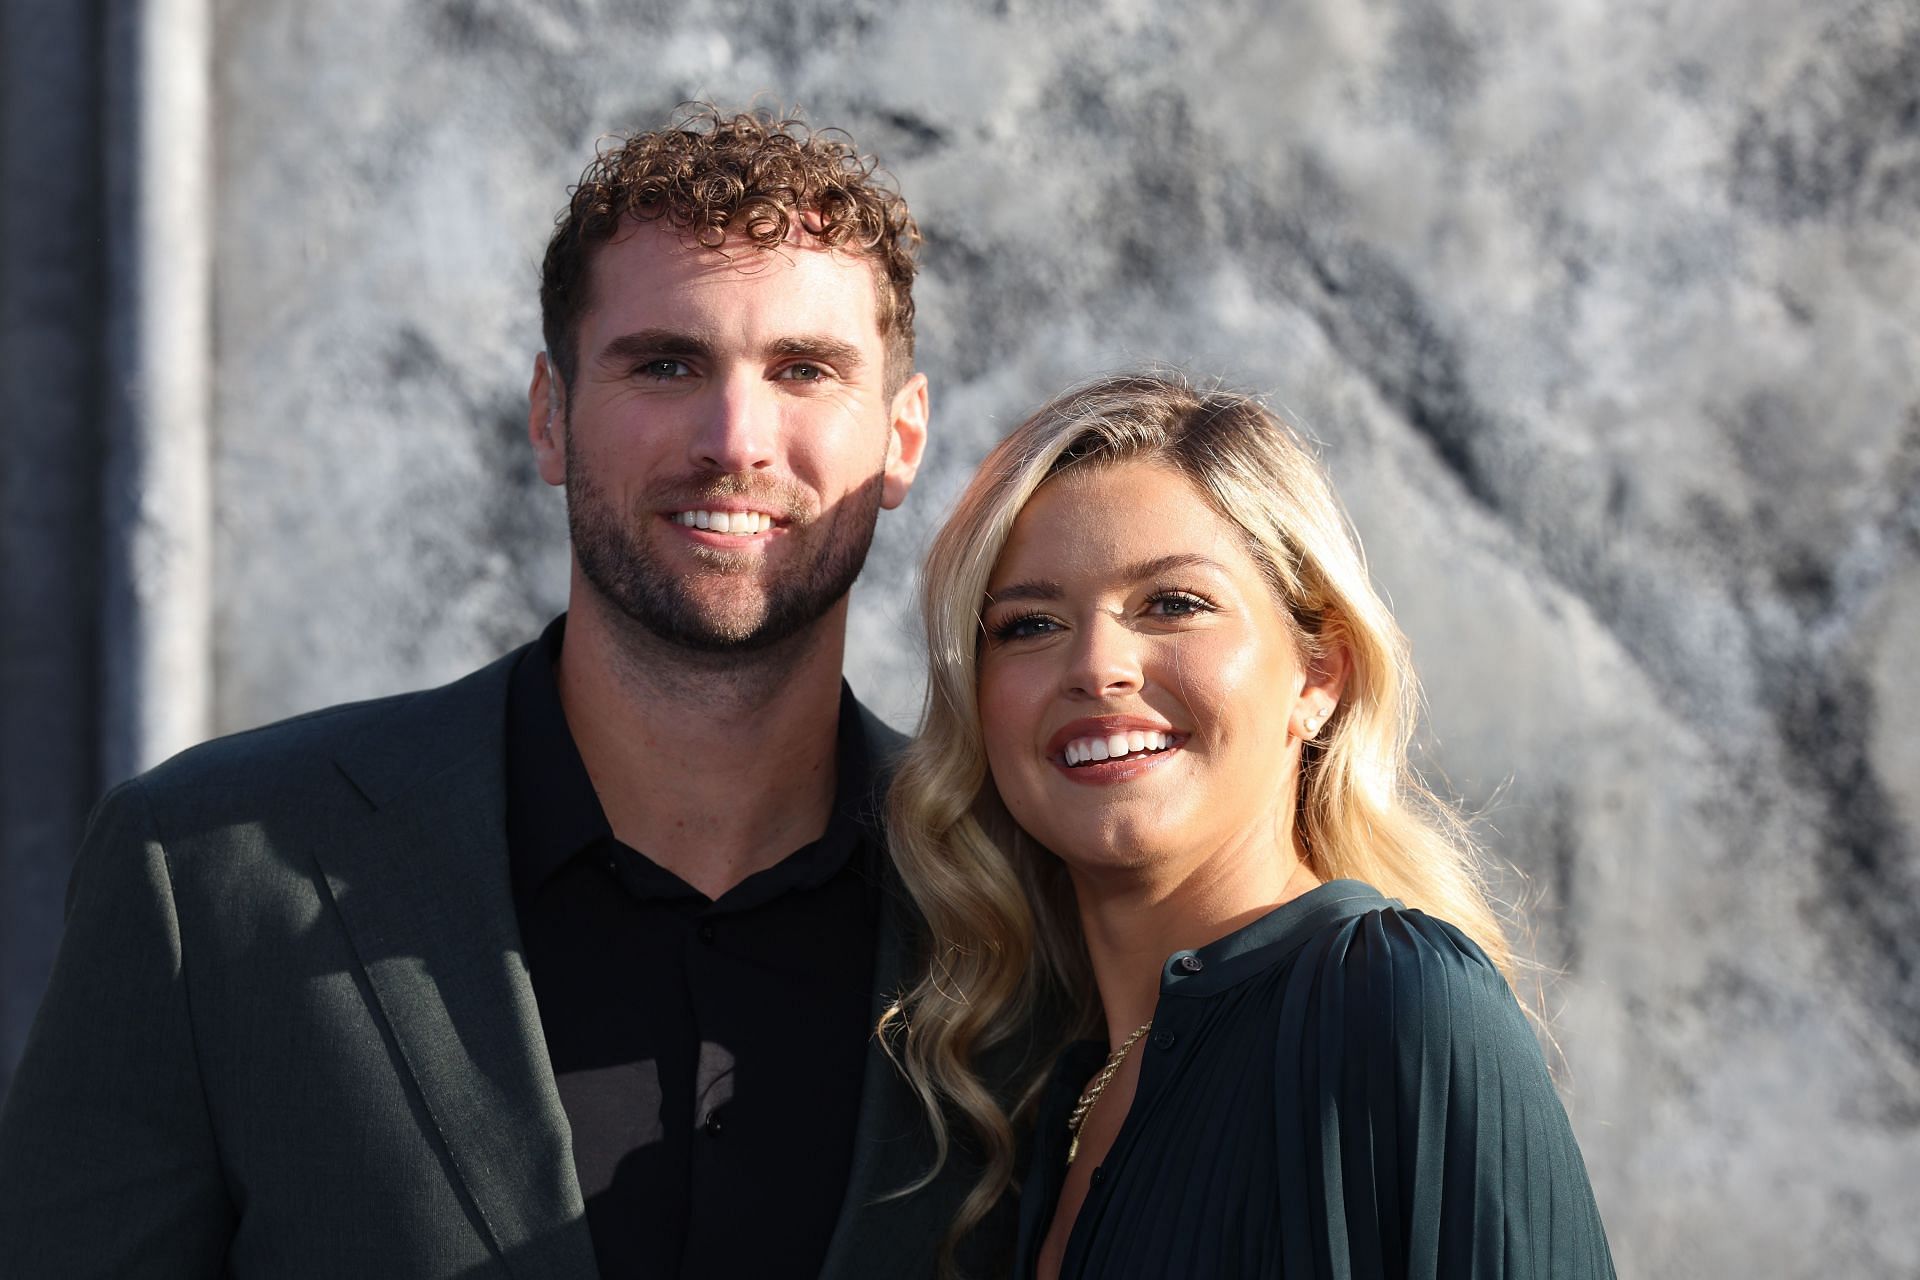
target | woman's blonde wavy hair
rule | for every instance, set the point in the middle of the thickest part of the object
(1004, 944)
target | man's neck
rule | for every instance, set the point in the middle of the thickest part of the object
(714, 766)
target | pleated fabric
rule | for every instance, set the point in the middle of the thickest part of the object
(1344, 1089)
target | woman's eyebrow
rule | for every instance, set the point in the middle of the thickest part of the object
(1038, 590)
(1179, 560)
(1047, 589)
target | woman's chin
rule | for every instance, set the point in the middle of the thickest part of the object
(1120, 852)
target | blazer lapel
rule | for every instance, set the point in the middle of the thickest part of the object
(891, 1146)
(879, 1233)
(423, 889)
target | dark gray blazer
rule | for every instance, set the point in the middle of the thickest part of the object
(290, 1031)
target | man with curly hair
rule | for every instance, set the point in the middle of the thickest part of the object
(570, 967)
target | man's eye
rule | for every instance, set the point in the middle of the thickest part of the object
(663, 370)
(803, 373)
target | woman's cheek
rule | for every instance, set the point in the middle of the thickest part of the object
(1006, 726)
(1201, 671)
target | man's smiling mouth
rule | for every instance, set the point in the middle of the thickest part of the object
(740, 522)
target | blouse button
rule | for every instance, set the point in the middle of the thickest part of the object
(1099, 1176)
(1163, 1039)
(1192, 964)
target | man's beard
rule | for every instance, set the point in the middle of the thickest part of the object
(615, 556)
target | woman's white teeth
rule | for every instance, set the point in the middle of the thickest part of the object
(1114, 746)
(725, 521)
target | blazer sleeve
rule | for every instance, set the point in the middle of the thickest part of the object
(108, 1163)
(1433, 1142)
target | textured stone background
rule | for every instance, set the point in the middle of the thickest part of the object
(1608, 319)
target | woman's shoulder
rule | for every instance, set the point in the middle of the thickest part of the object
(1411, 1090)
(1393, 977)
(1372, 933)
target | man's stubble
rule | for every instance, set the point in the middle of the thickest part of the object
(616, 558)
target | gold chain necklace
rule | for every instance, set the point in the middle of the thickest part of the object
(1078, 1120)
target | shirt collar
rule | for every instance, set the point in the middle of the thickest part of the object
(1254, 947)
(553, 813)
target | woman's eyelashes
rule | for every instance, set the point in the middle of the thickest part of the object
(1161, 605)
(1177, 603)
(1021, 626)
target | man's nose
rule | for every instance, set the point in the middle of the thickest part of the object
(735, 433)
(1104, 660)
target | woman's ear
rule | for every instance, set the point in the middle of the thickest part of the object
(1324, 686)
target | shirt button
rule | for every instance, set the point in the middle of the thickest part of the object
(1191, 964)
(706, 933)
(1163, 1039)
(712, 1127)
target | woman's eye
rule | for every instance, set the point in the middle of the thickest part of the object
(1177, 604)
(663, 370)
(1024, 627)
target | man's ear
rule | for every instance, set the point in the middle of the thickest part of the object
(547, 420)
(906, 440)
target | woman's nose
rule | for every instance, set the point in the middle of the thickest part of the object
(1104, 660)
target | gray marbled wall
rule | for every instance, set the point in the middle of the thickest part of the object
(1608, 318)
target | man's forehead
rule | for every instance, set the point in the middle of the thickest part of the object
(733, 251)
(650, 265)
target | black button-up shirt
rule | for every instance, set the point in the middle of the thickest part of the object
(708, 1052)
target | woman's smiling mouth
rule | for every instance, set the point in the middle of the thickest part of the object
(1107, 749)
(1115, 746)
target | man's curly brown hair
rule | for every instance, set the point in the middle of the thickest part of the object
(749, 176)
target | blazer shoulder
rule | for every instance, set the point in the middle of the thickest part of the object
(404, 732)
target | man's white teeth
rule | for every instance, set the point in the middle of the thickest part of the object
(725, 521)
(1115, 745)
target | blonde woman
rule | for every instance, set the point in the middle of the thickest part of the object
(1162, 786)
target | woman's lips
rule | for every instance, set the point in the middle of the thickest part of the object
(1101, 749)
(1126, 768)
(1112, 746)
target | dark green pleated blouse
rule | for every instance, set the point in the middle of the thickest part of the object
(1343, 1088)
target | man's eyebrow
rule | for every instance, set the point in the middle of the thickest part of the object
(646, 344)
(826, 348)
